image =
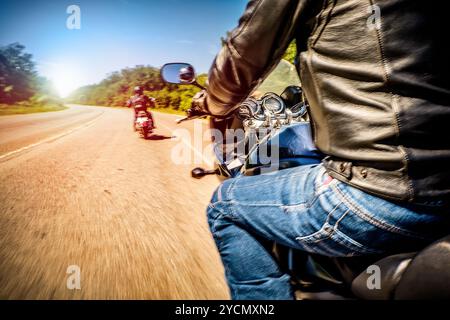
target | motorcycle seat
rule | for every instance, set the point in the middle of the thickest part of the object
(415, 275)
(391, 269)
(422, 275)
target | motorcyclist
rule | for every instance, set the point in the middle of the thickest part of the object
(140, 102)
(187, 74)
(379, 97)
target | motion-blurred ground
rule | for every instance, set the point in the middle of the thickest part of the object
(106, 200)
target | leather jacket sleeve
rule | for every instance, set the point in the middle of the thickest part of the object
(251, 51)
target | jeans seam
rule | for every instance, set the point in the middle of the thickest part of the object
(219, 241)
(367, 217)
(320, 231)
(361, 247)
(309, 204)
(230, 187)
(345, 241)
(306, 204)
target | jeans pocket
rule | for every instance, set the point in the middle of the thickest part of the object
(322, 234)
(331, 241)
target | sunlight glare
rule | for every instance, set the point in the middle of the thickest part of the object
(65, 79)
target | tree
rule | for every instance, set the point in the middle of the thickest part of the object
(18, 78)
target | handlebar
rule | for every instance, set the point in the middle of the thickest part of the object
(187, 118)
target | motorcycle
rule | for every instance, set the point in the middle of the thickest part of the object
(278, 120)
(143, 124)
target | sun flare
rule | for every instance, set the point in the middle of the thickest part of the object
(65, 79)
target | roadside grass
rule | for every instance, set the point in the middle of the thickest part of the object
(6, 109)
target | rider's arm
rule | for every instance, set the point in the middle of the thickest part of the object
(151, 102)
(146, 101)
(251, 51)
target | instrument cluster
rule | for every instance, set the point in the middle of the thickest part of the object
(269, 110)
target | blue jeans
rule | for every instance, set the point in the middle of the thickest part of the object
(304, 208)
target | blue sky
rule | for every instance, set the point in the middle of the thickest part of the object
(115, 34)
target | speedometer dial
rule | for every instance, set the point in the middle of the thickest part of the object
(273, 103)
(248, 109)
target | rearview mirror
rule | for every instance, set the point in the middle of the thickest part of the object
(178, 73)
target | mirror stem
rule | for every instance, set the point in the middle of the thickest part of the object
(198, 85)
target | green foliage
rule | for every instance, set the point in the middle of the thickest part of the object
(117, 88)
(18, 80)
(20, 85)
(291, 52)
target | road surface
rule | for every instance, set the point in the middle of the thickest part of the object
(80, 188)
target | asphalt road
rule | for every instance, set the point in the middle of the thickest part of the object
(79, 187)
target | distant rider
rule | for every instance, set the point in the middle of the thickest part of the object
(141, 102)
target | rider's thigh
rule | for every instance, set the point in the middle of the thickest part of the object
(279, 206)
(385, 226)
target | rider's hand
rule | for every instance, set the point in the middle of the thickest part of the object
(198, 106)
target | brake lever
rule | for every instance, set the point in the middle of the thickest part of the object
(178, 121)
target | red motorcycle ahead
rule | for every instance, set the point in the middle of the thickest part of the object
(143, 124)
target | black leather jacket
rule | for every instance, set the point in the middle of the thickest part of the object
(378, 86)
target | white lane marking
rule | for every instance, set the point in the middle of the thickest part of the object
(53, 138)
(209, 162)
